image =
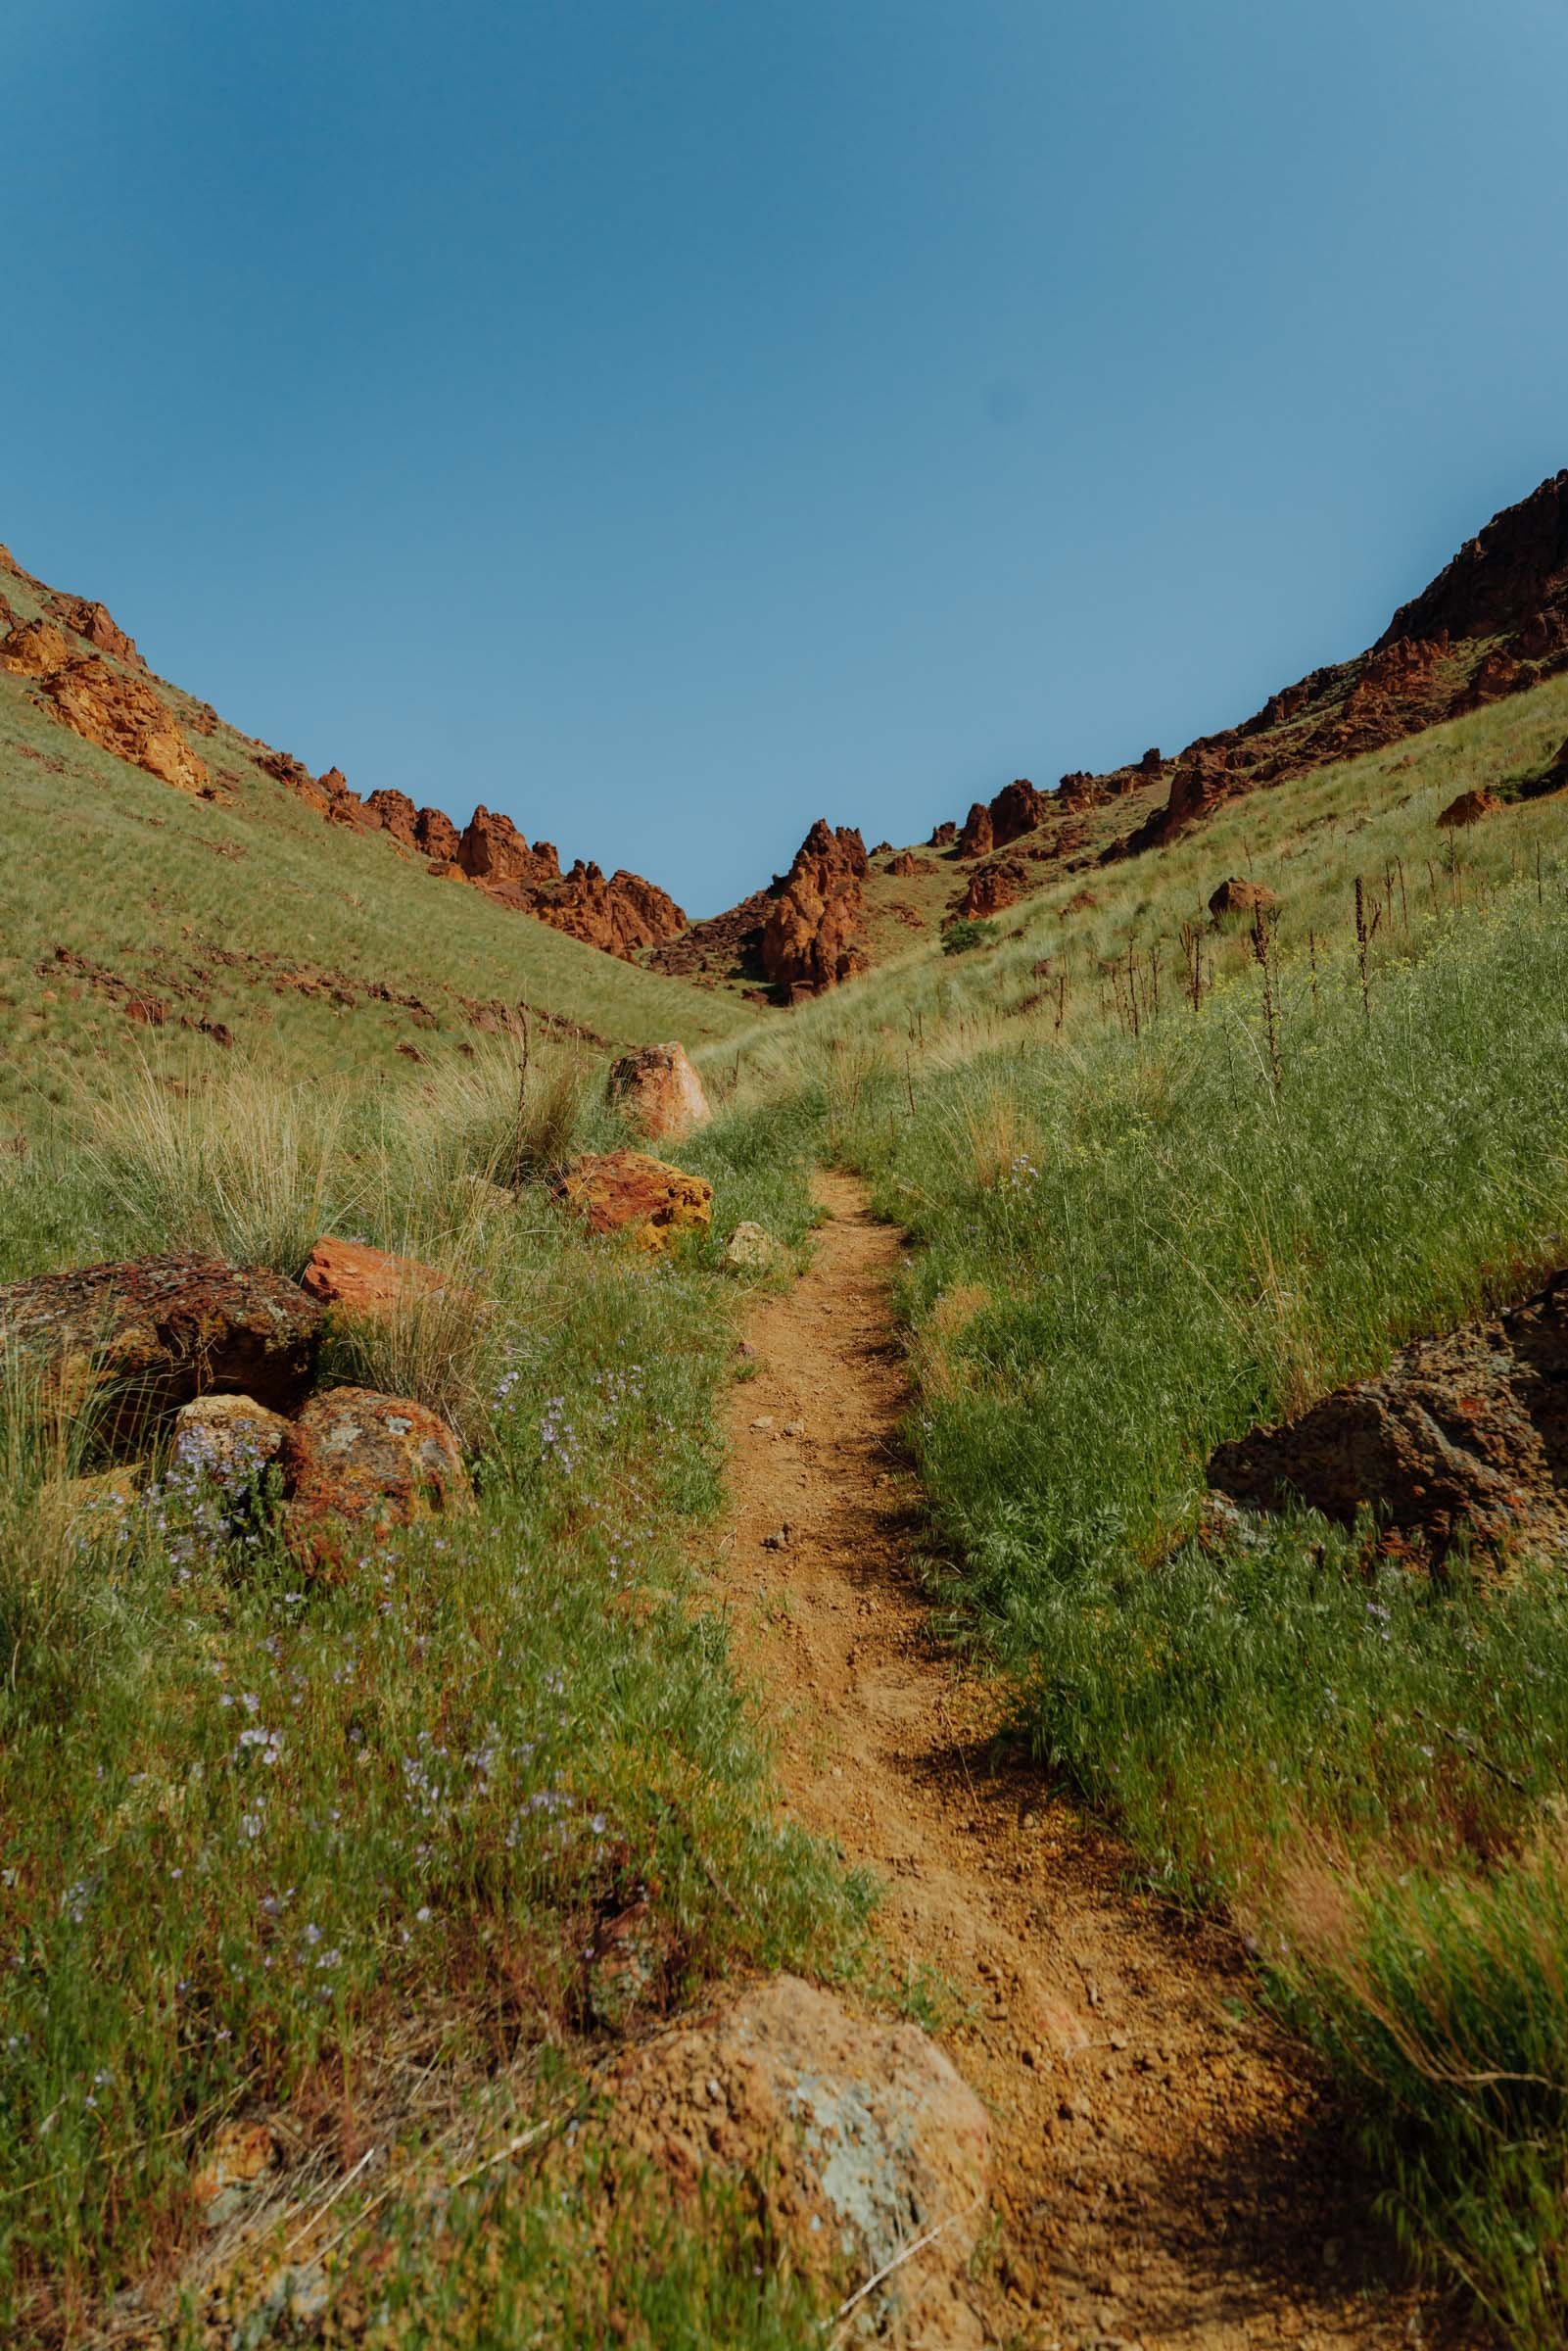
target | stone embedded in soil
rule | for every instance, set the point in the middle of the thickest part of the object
(357, 1464)
(854, 2138)
(369, 1282)
(658, 1091)
(1468, 809)
(145, 1336)
(228, 1438)
(1464, 1433)
(644, 1199)
(1239, 896)
(750, 1249)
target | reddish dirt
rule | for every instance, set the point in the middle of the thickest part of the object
(1170, 2170)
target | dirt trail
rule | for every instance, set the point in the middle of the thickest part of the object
(1167, 2171)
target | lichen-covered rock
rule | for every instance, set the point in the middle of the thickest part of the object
(750, 1249)
(146, 1335)
(228, 1438)
(659, 1090)
(855, 2138)
(627, 1192)
(357, 1464)
(1463, 1433)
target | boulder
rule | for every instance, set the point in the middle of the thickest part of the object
(906, 865)
(1238, 896)
(853, 2140)
(645, 1199)
(750, 1249)
(943, 835)
(35, 649)
(365, 1281)
(1464, 1433)
(659, 1090)
(357, 1466)
(149, 1334)
(228, 1438)
(1469, 808)
(123, 715)
(98, 625)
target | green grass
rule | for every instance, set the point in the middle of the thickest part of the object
(276, 1844)
(1127, 1250)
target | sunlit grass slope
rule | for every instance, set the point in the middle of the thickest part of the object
(257, 916)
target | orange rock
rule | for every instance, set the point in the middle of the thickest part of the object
(1469, 808)
(367, 1281)
(627, 1192)
(357, 1466)
(120, 714)
(811, 939)
(1237, 896)
(659, 1090)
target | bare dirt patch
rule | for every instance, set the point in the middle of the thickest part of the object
(1170, 2170)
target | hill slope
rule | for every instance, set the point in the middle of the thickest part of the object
(219, 907)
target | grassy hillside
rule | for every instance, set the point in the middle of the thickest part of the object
(319, 950)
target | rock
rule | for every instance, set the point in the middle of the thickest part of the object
(1468, 1431)
(369, 1282)
(659, 1090)
(124, 716)
(634, 1959)
(35, 649)
(778, 1540)
(149, 1334)
(1469, 808)
(943, 835)
(750, 1249)
(906, 865)
(852, 2138)
(357, 1465)
(228, 1438)
(977, 839)
(1238, 896)
(811, 939)
(98, 625)
(1001, 883)
(627, 1192)
(240, 2157)
(621, 915)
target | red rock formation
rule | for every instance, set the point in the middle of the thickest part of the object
(97, 624)
(368, 1282)
(977, 839)
(627, 1192)
(993, 887)
(943, 835)
(811, 939)
(1469, 808)
(119, 713)
(906, 865)
(398, 814)
(1237, 896)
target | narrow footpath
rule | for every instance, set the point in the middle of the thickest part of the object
(1169, 2170)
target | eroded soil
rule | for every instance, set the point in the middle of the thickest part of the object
(1169, 2170)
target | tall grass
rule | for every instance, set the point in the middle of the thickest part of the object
(1131, 1248)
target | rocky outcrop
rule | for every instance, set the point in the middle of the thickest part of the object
(857, 2141)
(993, 887)
(811, 939)
(1466, 1434)
(1239, 896)
(144, 1336)
(97, 624)
(976, 839)
(658, 1091)
(906, 865)
(494, 852)
(357, 1466)
(620, 915)
(644, 1199)
(119, 713)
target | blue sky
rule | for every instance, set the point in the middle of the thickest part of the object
(671, 422)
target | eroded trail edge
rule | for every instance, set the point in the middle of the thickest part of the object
(1167, 2170)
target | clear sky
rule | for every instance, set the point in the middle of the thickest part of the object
(670, 420)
